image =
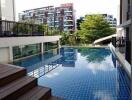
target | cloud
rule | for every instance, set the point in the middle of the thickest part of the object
(106, 65)
(103, 95)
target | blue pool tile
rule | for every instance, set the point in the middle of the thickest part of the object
(87, 74)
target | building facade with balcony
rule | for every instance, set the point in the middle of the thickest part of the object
(110, 19)
(62, 18)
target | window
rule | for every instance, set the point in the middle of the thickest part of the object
(50, 45)
(27, 50)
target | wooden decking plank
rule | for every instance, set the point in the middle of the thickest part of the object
(33, 92)
(14, 86)
(55, 98)
(43, 94)
(10, 72)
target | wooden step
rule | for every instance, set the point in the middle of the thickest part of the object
(9, 73)
(37, 93)
(55, 98)
(17, 88)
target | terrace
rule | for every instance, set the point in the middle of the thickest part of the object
(36, 67)
(19, 29)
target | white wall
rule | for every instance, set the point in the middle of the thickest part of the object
(16, 41)
(4, 55)
(6, 44)
(124, 10)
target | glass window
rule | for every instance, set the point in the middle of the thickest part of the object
(50, 45)
(27, 50)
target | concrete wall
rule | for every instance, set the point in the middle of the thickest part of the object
(124, 10)
(16, 41)
(6, 45)
(4, 55)
(126, 27)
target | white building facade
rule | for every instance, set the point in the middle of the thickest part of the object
(111, 20)
(7, 10)
(62, 17)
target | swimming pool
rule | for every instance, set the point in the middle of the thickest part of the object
(81, 74)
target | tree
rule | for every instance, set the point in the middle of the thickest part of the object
(68, 38)
(64, 38)
(94, 27)
(43, 28)
(53, 31)
(94, 55)
(22, 29)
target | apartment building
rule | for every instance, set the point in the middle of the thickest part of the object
(7, 10)
(125, 28)
(110, 19)
(62, 18)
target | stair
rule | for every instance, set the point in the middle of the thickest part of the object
(9, 73)
(37, 93)
(15, 85)
(55, 98)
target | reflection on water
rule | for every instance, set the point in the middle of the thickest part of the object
(69, 56)
(94, 55)
(40, 65)
(80, 74)
(93, 78)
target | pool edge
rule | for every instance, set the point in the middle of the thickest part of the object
(121, 59)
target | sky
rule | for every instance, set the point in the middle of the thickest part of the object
(82, 7)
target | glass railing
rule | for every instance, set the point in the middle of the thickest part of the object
(19, 29)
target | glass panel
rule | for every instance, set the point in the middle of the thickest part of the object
(27, 50)
(16, 52)
(50, 45)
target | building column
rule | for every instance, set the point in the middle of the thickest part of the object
(10, 54)
(131, 28)
(42, 48)
(130, 35)
(59, 46)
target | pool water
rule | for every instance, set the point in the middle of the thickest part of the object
(85, 74)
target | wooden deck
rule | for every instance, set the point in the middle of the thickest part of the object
(15, 85)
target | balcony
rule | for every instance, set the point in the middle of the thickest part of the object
(17, 29)
(68, 25)
(68, 18)
(68, 14)
(68, 11)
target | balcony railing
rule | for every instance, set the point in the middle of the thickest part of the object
(17, 29)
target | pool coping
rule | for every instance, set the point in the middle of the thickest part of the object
(88, 46)
(121, 59)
